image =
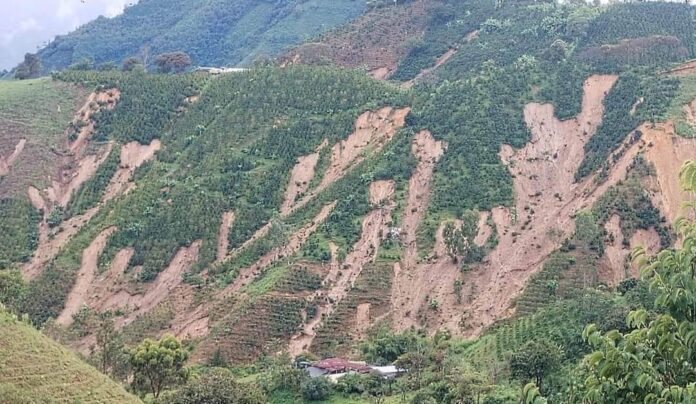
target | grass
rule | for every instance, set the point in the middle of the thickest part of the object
(675, 112)
(34, 368)
(39, 111)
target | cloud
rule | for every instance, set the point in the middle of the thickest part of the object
(31, 23)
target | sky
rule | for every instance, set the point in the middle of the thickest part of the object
(27, 24)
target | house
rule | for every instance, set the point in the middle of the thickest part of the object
(335, 368)
(220, 70)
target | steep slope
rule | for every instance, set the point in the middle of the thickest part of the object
(213, 32)
(33, 368)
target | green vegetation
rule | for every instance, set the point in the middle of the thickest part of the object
(213, 32)
(33, 368)
(92, 191)
(19, 233)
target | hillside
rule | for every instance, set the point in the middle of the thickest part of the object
(212, 32)
(33, 368)
(467, 176)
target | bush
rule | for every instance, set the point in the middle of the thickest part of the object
(316, 389)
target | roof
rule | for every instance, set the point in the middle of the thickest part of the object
(334, 365)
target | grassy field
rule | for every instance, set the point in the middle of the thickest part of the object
(33, 368)
(39, 111)
(686, 94)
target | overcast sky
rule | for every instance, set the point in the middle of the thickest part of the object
(26, 24)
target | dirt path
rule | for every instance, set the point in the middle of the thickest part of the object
(300, 176)
(685, 69)
(133, 155)
(78, 295)
(342, 277)
(6, 163)
(223, 233)
(439, 62)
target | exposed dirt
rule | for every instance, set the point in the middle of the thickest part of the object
(373, 130)
(167, 281)
(427, 151)
(223, 233)
(341, 277)
(616, 264)
(668, 152)
(36, 199)
(83, 118)
(690, 112)
(546, 199)
(78, 295)
(133, 155)
(439, 62)
(380, 191)
(485, 231)
(685, 69)
(6, 162)
(60, 192)
(362, 318)
(410, 278)
(300, 176)
(376, 41)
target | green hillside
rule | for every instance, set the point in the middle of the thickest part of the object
(212, 32)
(35, 369)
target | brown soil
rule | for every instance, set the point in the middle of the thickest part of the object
(6, 162)
(362, 318)
(668, 152)
(195, 323)
(690, 113)
(167, 281)
(377, 40)
(428, 151)
(410, 278)
(342, 277)
(380, 191)
(373, 130)
(133, 155)
(60, 192)
(300, 176)
(685, 69)
(78, 295)
(484, 230)
(223, 233)
(616, 264)
(36, 199)
(107, 98)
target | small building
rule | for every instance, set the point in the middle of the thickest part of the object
(335, 368)
(220, 70)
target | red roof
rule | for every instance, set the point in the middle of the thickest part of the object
(339, 365)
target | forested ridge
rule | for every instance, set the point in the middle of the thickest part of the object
(230, 144)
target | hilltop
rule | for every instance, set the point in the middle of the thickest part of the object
(212, 32)
(485, 182)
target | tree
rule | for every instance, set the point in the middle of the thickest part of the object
(12, 288)
(316, 388)
(655, 361)
(30, 68)
(172, 62)
(459, 237)
(158, 363)
(111, 357)
(131, 63)
(217, 386)
(535, 360)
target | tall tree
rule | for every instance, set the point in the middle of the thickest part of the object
(535, 360)
(172, 62)
(158, 364)
(30, 68)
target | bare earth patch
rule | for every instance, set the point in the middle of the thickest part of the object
(616, 264)
(78, 295)
(133, 155)
(6, 162)
(410, 278)
(300, 176)
(223, 233)
(341, 277)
